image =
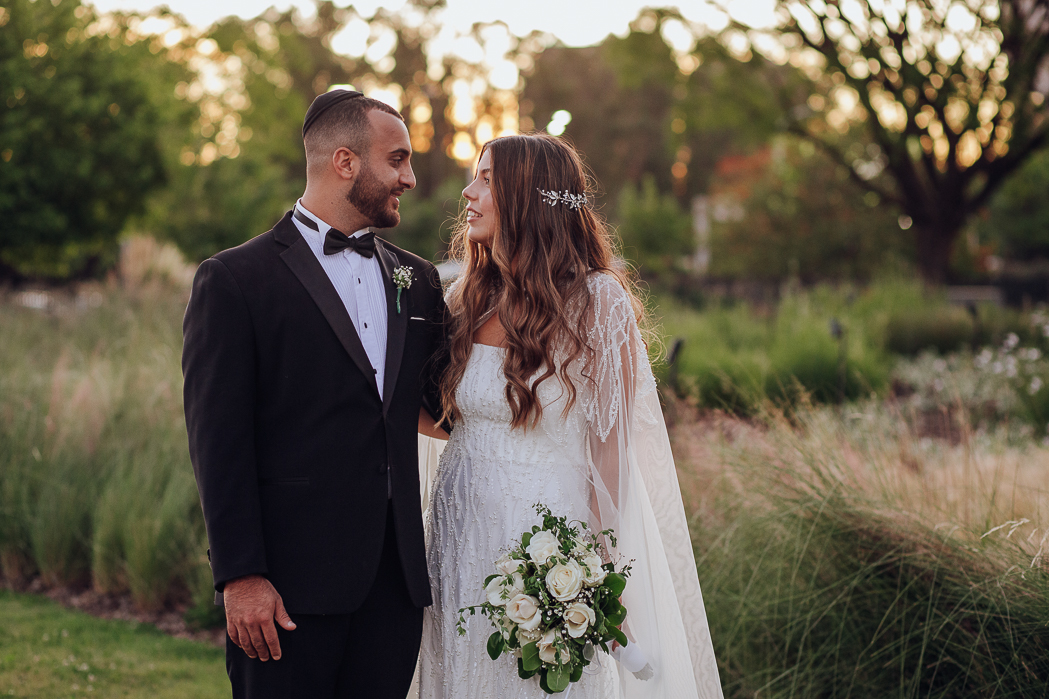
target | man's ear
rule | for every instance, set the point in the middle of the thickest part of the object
(346, 163)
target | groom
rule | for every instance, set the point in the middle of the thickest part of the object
(308, 353)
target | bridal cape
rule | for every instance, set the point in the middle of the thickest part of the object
(634, 490)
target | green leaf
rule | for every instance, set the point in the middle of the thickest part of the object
(577, 673)
(490, 578)
(522, 673)
(616, 583)
(526, 539)
(496, 644)
(558, 678)
(619, 636)
(616, 616)
(530, 656)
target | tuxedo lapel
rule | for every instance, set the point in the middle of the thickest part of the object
(396, 325)
(304, 265)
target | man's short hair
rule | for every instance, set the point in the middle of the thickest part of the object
(344, 124)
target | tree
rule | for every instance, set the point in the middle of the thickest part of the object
(240, 163)
(641, 108)
(793, 213)
(656, 233)
(951, 96)
(1018, 216)
(78, 148)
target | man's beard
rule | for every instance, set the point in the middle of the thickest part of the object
(371, 198)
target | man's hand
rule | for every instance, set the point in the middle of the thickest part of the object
(252, 604)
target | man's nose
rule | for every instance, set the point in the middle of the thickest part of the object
(408, 180)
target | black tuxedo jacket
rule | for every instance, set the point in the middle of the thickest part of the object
(289, 439)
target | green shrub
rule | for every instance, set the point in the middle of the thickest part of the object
(655, 231)
(944, 329)
(734, 358)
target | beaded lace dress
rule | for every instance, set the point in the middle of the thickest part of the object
(604, 460)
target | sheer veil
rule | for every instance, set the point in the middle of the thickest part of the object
(635, 492)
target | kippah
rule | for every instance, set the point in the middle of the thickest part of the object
(325, 102)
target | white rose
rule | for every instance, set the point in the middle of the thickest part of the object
(496, 588)
(507, 565)
(548, 653)
(523, 610)
(506, 627)
(565, 580)
(597, 574)
(526, 636)
(578, 617)
(542, 545)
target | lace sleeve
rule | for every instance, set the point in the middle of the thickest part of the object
(636, 492)
(618, 357)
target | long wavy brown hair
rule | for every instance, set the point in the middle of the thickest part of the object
(534, 274)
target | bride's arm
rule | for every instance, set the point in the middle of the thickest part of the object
(428, 426)
(615, 353)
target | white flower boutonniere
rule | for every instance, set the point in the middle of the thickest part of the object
(402, 279)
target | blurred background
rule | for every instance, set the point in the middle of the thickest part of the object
(839, 211)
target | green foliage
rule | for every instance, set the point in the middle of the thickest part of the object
(78, 143)
(923, 327)
(1006, 77)
(49, 651)
(736, 357)
(829, 584)
(96, 479)
(638, 107)
(798, 215)
(1018, 218)
(656, 234)
(208, 209)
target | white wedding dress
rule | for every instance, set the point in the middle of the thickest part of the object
(605, 460)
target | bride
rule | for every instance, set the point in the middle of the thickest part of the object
(553, 401)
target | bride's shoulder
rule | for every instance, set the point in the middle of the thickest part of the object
(453, 288)
(607, 291)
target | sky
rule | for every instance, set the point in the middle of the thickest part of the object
(574, 22)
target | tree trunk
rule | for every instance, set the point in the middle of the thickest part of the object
(934, 245)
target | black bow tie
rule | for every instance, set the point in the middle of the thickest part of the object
(337, 241)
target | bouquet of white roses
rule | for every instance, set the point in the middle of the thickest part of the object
(552, 600)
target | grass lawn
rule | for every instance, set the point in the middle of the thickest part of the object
(49, 651)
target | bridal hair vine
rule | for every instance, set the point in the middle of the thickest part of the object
(572, 201)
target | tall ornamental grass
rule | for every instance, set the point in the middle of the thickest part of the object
(841, 557)
(96, 485)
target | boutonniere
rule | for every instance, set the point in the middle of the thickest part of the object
(402, 279)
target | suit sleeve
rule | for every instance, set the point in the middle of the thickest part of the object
(218, 363)
(438, 362)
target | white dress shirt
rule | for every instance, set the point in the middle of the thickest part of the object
(358, 281)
